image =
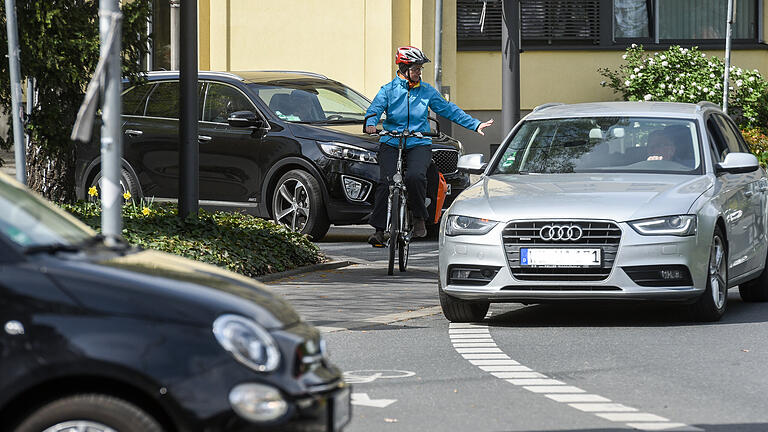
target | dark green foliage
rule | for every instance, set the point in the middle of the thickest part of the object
(241, 243)
(59, 47)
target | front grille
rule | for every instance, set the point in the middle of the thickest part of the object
(446, 160)
(605, 235)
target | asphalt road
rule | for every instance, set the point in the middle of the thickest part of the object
(565, 367)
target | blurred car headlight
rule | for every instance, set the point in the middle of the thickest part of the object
(465, 225)
(683, 225)
(248, 342)
(347, 151)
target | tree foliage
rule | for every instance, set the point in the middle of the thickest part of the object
(59, 47)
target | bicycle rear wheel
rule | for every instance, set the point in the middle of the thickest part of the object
(394, 229)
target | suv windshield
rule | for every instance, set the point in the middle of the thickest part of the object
(312, 101)
(30, 221)
(603, 144)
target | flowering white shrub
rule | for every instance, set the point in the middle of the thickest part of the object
(688, 75)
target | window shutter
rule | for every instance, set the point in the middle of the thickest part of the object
(469, 30)
(560, 21)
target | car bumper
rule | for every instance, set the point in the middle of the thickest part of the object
(634, 251)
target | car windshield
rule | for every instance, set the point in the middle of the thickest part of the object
(30, 221)
(312, 101)
(603, 144)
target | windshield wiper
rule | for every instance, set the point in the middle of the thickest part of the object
(346, 120)
(62, 247)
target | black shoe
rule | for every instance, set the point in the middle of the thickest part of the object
(378, 239)
(419, 229)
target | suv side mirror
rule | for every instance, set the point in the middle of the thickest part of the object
(245, 119)
(737, 163)
(472, 163)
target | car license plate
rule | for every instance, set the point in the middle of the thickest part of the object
(551, 257)
(341, 409)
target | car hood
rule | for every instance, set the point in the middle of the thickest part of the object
(618, 197)
(352, 134)
(160, 286)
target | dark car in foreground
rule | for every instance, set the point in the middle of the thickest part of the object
(100, 339)
(282, 145)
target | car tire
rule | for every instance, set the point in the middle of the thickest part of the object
(461, 311)
(96, 410)
(128, 183)
(756, 290)
(713, 302)
(297, 203)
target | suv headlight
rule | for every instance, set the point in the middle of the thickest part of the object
(683, 225)
(347, 151)
(463, 225)
(248, 342)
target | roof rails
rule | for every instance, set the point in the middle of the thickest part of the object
(701, 105)
(202, 72)
(312, 74)
(547, 105)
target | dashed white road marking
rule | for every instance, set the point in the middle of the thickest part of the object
(474, 343)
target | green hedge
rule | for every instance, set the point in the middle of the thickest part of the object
(238, 242)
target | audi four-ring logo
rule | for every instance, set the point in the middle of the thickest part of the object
(560, 232)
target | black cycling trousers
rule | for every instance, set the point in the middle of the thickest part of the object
(417, 160)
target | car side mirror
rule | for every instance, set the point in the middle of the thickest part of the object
(737, 163)
(245, 119)
(472, 163)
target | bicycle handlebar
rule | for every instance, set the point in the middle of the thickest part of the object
(401, 134)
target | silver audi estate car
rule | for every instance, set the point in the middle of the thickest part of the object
(614, 200)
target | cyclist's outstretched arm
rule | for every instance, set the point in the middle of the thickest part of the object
(451, 111)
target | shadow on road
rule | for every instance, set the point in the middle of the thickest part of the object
(625, 314)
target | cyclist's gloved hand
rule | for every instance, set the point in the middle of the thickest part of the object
(370, 129)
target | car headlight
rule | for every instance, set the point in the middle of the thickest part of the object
(248, 342)
(463, 225)
(683, 225)
(347, 151)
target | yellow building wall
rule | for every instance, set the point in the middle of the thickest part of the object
(352, 41)
(556, 76)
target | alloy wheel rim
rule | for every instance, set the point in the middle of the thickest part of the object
(79, 426)
(717, 271)
(292, 205)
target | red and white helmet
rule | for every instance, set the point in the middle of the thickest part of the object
(410, 55)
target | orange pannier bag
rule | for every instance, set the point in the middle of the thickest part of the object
(437, 189)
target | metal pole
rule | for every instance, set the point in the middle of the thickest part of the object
(510, 65)
(439, 45)
(111, 144)
(175, 33)
(13, 63)
(726, 76)
(30, 105)
(189, 157)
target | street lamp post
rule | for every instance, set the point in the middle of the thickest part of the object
(13, 63)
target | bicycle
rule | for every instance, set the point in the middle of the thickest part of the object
(399, 217)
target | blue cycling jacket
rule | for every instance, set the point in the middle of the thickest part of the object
(393, 99)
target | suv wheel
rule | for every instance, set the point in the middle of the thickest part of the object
(91, 412)
(297, 203)
(128, 183)
(712, 303)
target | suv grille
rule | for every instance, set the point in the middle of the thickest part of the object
(446, 160)
(605, 235)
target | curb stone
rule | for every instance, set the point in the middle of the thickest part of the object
(306, 269)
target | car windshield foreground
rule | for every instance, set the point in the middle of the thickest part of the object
(609, 201)
(30, 222)
(603, 144)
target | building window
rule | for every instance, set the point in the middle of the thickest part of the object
(606, 23)
(161, 34)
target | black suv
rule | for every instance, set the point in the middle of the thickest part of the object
(282, 145)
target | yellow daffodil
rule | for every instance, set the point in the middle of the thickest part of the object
(145, 211)
(92, 191)
(127, 195)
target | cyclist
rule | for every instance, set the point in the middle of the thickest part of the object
(407, 100)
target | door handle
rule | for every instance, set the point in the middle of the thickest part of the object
(203, 138)
(133, 132)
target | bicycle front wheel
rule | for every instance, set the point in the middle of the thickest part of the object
(404, 239)
(394, 229)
